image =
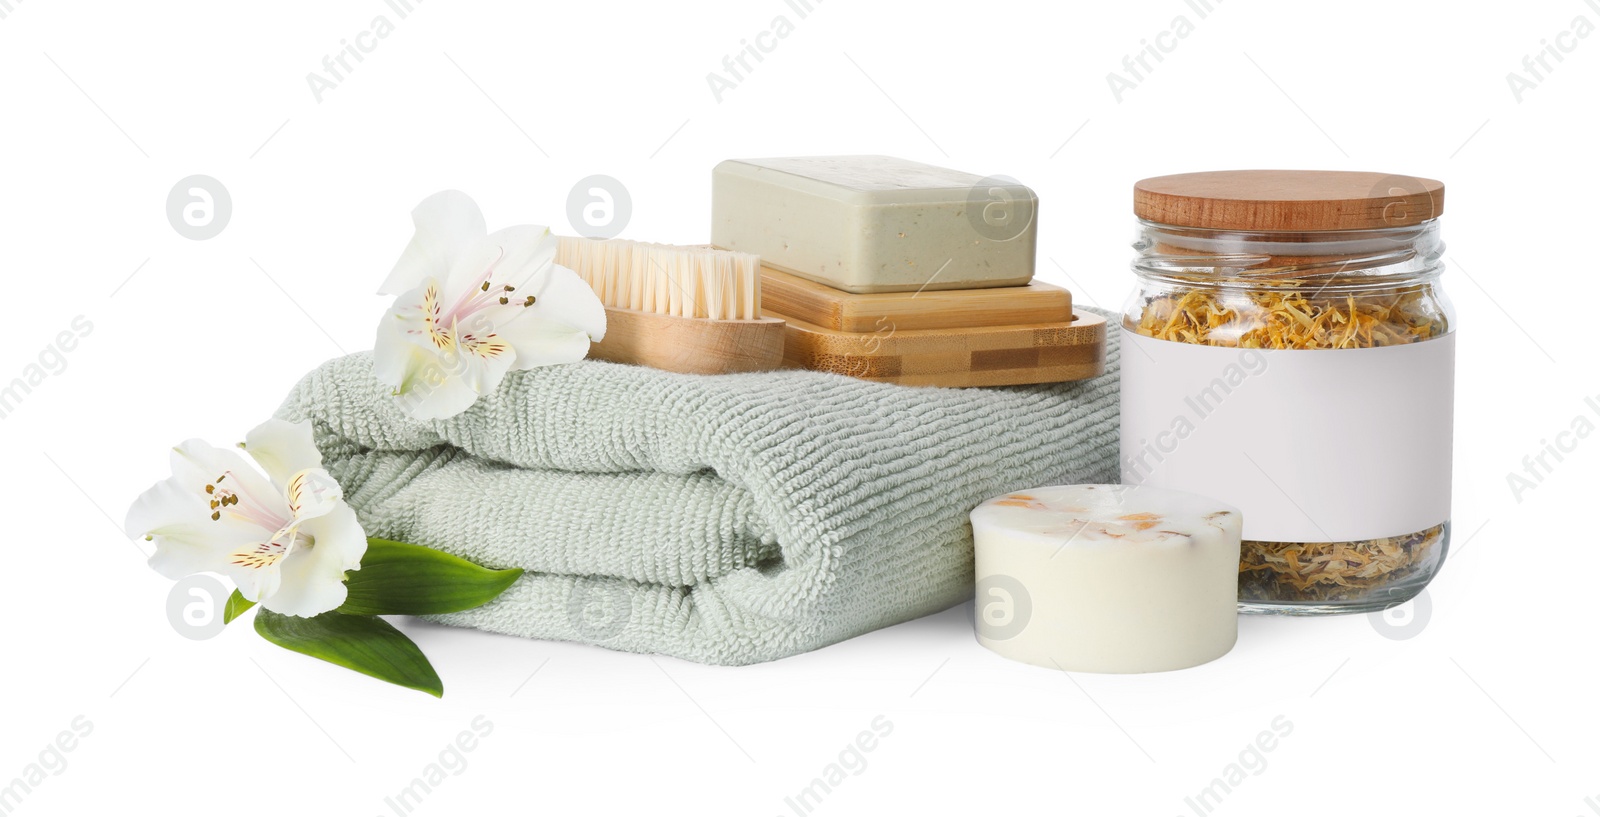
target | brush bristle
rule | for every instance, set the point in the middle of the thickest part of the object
(688, 282)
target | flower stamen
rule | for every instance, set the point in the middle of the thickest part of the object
(252, 511)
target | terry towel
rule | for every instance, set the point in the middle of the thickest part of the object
(727, 520)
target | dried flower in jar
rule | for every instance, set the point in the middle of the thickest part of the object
(1333, 571)
(1291, 319)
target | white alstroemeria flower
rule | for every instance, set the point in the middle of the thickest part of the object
(472, 305)
(285, 538)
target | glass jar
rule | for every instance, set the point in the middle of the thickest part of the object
(1289, 351)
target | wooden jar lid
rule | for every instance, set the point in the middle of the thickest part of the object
(1288, 200)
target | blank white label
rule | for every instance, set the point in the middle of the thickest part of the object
(1313, 445)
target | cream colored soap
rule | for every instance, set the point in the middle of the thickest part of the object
(875, 223)
(1107, 578)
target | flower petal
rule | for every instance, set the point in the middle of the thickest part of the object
(175, 560)
(312, 578)
(283, 449)
(468, 367)
(164, 504)
(484, 361)
(312, 493)
(514, 255)
(438, 401)
(446, 223)
(541, 341)
(402, 351)
(181, 549)
(199, 463)
(256, 569)
(567, 298)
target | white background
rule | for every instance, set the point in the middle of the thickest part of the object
(1487, 706)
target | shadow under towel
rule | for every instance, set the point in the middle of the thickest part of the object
(727, 520)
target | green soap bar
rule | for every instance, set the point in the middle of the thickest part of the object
(876, 223)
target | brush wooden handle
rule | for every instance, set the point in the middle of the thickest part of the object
(690, 345)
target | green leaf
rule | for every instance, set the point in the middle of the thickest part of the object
(366, 644)
(400, 579)
(236, 606)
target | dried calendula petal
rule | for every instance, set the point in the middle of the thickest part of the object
(1290, 319)
(1332, 571)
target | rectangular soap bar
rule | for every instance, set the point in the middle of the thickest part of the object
(876, 223)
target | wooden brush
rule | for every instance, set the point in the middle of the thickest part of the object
(693, 310)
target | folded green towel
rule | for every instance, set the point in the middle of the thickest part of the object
(727, 520)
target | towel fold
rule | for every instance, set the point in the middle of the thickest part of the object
(726, 520)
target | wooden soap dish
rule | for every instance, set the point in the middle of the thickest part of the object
(969, 356)
(824, 306)
(690, 345)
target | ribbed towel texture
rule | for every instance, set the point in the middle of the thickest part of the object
(726, 520)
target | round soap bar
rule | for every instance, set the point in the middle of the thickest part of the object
(1107, 578)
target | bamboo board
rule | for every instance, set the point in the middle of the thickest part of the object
(829, 308)
(972, 356)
